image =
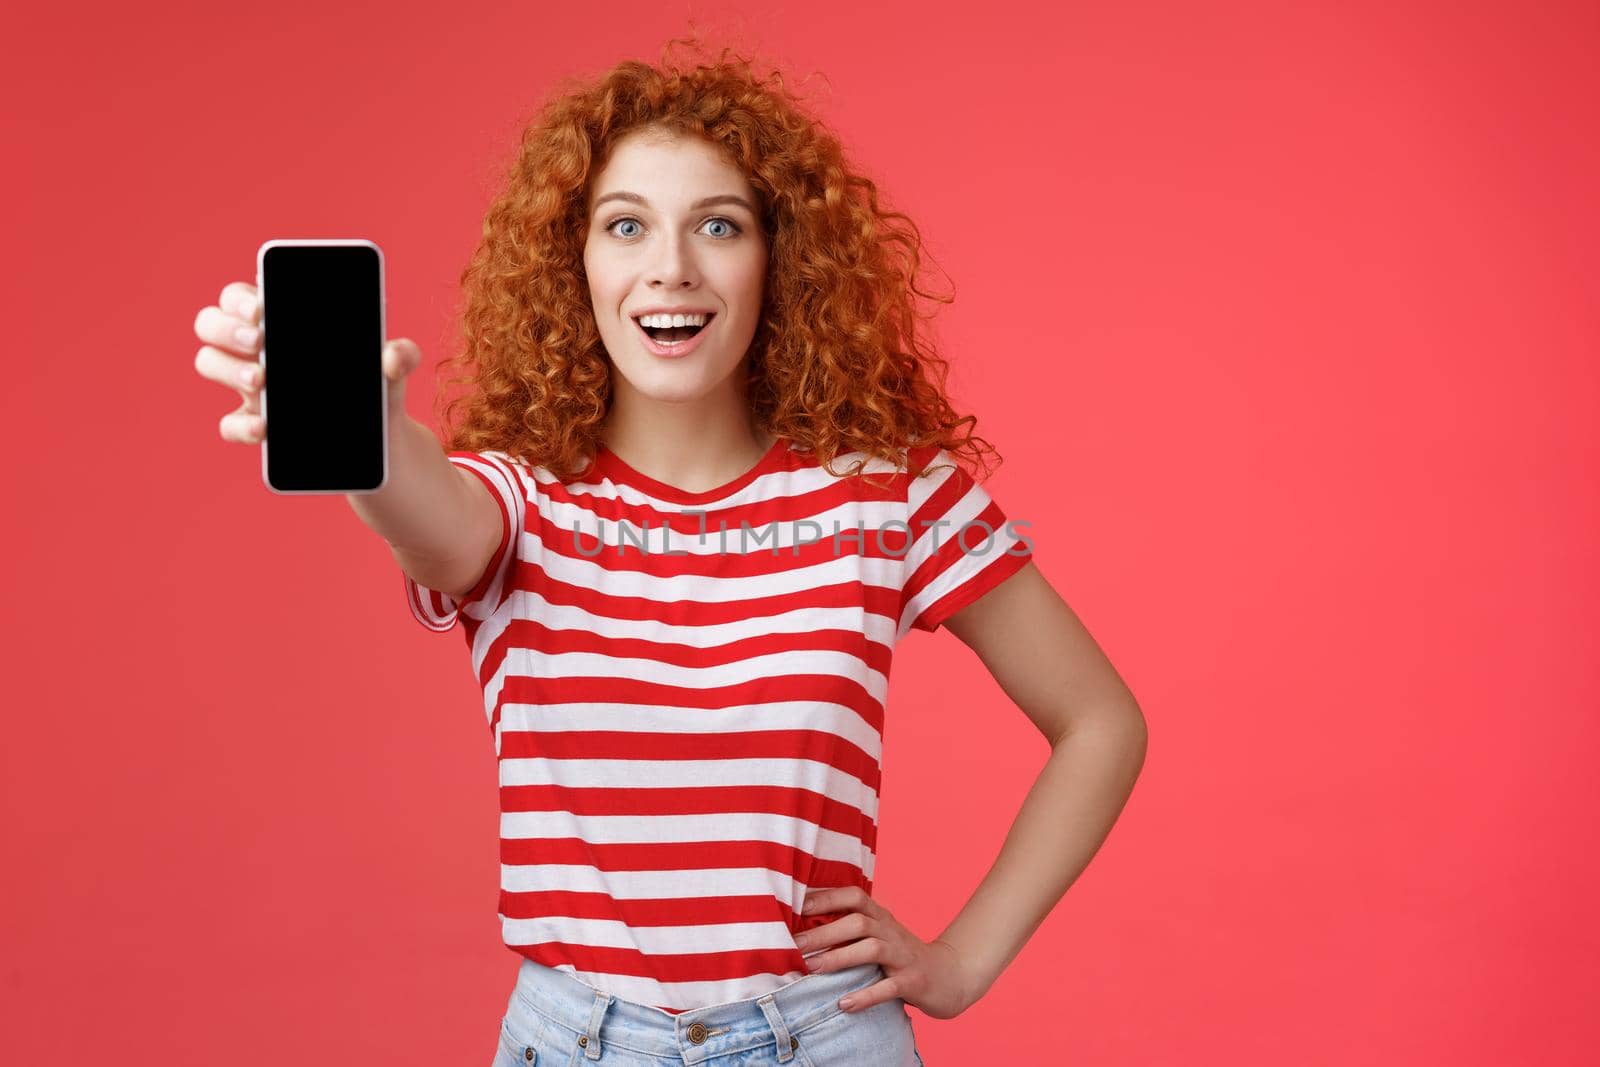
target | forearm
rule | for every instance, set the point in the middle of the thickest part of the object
(1061, 825)
(418, 511)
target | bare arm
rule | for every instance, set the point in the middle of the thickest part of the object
(1046, 661)
(440, 522)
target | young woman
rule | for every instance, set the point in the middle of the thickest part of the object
(704, 484)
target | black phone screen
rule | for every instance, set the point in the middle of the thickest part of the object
(324, 397)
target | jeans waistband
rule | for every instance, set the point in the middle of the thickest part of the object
(770, 1019)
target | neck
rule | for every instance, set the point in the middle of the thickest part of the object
(692, 446)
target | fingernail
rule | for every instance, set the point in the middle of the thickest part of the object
(248, 377)
(247, 335)
(247, 306)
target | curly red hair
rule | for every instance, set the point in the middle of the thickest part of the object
(837, 364)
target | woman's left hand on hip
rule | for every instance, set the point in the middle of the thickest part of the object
(929, 974)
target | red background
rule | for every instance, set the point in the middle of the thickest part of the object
(1283, 317)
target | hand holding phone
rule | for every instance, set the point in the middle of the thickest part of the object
(233, 359)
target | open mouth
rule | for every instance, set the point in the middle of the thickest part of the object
(674, 334)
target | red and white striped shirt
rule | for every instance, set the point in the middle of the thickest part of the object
(687, 708)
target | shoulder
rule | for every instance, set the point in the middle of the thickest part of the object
(936, 463)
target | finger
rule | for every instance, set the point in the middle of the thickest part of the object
(857, 899)
(851, 949)
(837, 898)
(829, 959)
(847, 927)
(245, 427)
(217, 327)
(877, 993)
(245, 375)
(242, 301)
(400, 358)
(819, 901)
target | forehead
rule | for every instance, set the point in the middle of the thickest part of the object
(668, 169)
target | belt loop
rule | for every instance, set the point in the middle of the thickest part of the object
(780, 1029)
(597, 1011)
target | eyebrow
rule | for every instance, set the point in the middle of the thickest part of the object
(726, 198)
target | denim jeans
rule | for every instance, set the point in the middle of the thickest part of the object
(553, 1019)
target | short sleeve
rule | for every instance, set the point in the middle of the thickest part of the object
(962, 544)
(438, 611)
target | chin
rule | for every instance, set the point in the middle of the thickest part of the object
(667, 384)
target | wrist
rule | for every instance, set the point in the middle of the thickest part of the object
(974, 979)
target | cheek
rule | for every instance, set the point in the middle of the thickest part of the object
(755, 281)
(607, 300)
(599, 271)
(744, 284)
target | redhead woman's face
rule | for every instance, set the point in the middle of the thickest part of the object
(672, 224)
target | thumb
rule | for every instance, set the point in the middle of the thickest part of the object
(400, 357)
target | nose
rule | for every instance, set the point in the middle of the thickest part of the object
(672, 263)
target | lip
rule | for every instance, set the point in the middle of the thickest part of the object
(663, 309)
(682, 348)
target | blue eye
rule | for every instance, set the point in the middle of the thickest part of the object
(715, 218)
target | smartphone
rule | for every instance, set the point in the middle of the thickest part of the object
(324, 398)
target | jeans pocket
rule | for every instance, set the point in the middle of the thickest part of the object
(514, 1051)
(530, 1039)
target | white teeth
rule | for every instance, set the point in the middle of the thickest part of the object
(666, 321)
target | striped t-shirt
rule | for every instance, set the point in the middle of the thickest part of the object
(686, 697)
